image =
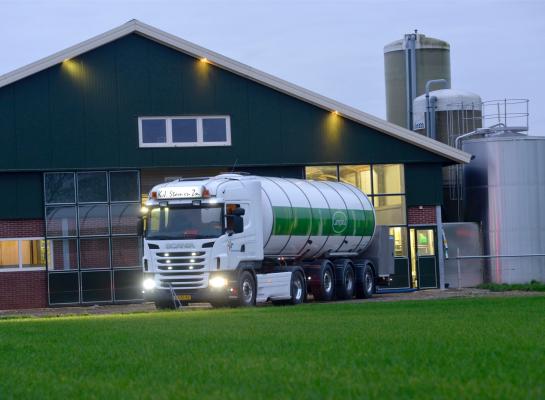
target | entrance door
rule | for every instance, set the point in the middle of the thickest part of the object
(423, 259)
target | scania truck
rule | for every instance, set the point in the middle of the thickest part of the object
(238, 240)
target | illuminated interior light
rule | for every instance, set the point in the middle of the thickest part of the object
(169, 268)
(193, 254)
(335, 112)
(144, 210)
(168, 261)
(167, 254)
(204, 59)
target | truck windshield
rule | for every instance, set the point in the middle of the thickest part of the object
(184, 223)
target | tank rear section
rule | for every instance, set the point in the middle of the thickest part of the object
(311, 219)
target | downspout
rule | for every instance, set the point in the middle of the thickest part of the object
(431, 107)
(410, 75)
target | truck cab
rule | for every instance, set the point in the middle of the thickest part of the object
(197, 233)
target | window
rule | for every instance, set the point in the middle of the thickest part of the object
(388, 179)
(59, 188)
(62, 254)
(22, 254)
(357, 175)
(390, 210)
(184, 131)
(322, 173)
(400, 241)
(92, 187)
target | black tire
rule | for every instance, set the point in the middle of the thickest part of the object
(326, 290)
(345, 281)
(165, 305)
(246, 290)
(366, 283)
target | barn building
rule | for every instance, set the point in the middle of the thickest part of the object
(86, 132)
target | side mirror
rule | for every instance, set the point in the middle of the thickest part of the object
(238, 222)
(235, 224)
(140, 227)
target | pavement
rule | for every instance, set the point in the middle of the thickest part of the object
(430, 294)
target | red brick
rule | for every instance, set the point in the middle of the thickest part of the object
(16, 228)
(421, 215)
(24, 289)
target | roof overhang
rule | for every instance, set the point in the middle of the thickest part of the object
(135, 26)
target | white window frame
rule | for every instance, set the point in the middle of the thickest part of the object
(199, 143)
(20, 255)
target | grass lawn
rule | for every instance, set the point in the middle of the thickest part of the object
(466, 348)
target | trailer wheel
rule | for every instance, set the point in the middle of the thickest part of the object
(246, 290)
(327, 284)
(366, 286)
(345, 281)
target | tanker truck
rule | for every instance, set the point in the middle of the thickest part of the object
(237, 239)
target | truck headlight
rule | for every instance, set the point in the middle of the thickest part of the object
(149, 284)
(218, 282)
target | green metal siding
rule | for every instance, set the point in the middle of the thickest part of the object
(82, 114)
(22, 195)
(423, 184)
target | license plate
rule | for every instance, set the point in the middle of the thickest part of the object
(184, 297)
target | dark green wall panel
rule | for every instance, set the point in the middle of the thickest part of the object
(23, 195)
(423, 183)
(83, 114)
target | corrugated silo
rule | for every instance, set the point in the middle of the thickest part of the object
(408, 64)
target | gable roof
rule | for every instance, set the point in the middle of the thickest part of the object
(150, 32)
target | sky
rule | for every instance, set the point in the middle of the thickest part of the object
(333, 47)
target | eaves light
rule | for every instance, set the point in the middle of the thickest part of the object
(204, 59)
(335, 112)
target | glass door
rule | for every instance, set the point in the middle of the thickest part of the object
(423, 258)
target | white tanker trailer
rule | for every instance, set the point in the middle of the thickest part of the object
(241, 239)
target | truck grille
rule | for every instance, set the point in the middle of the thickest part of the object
(181, 270)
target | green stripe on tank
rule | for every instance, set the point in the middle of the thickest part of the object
(302, 221)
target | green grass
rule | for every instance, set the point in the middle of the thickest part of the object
(467, 348)
(533, 286)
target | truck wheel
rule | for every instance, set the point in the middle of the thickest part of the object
(345, 282)
(298, 288)
(366, 286)
(246, 290)
(327, 286)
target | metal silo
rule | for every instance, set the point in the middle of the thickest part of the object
(408, 64)
(445, 115)
(504, 190)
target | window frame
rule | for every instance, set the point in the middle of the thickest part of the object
(20, 255)
(200, 132)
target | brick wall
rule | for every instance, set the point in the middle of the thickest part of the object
(15, 228)
(421, 215)
(26, 289)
